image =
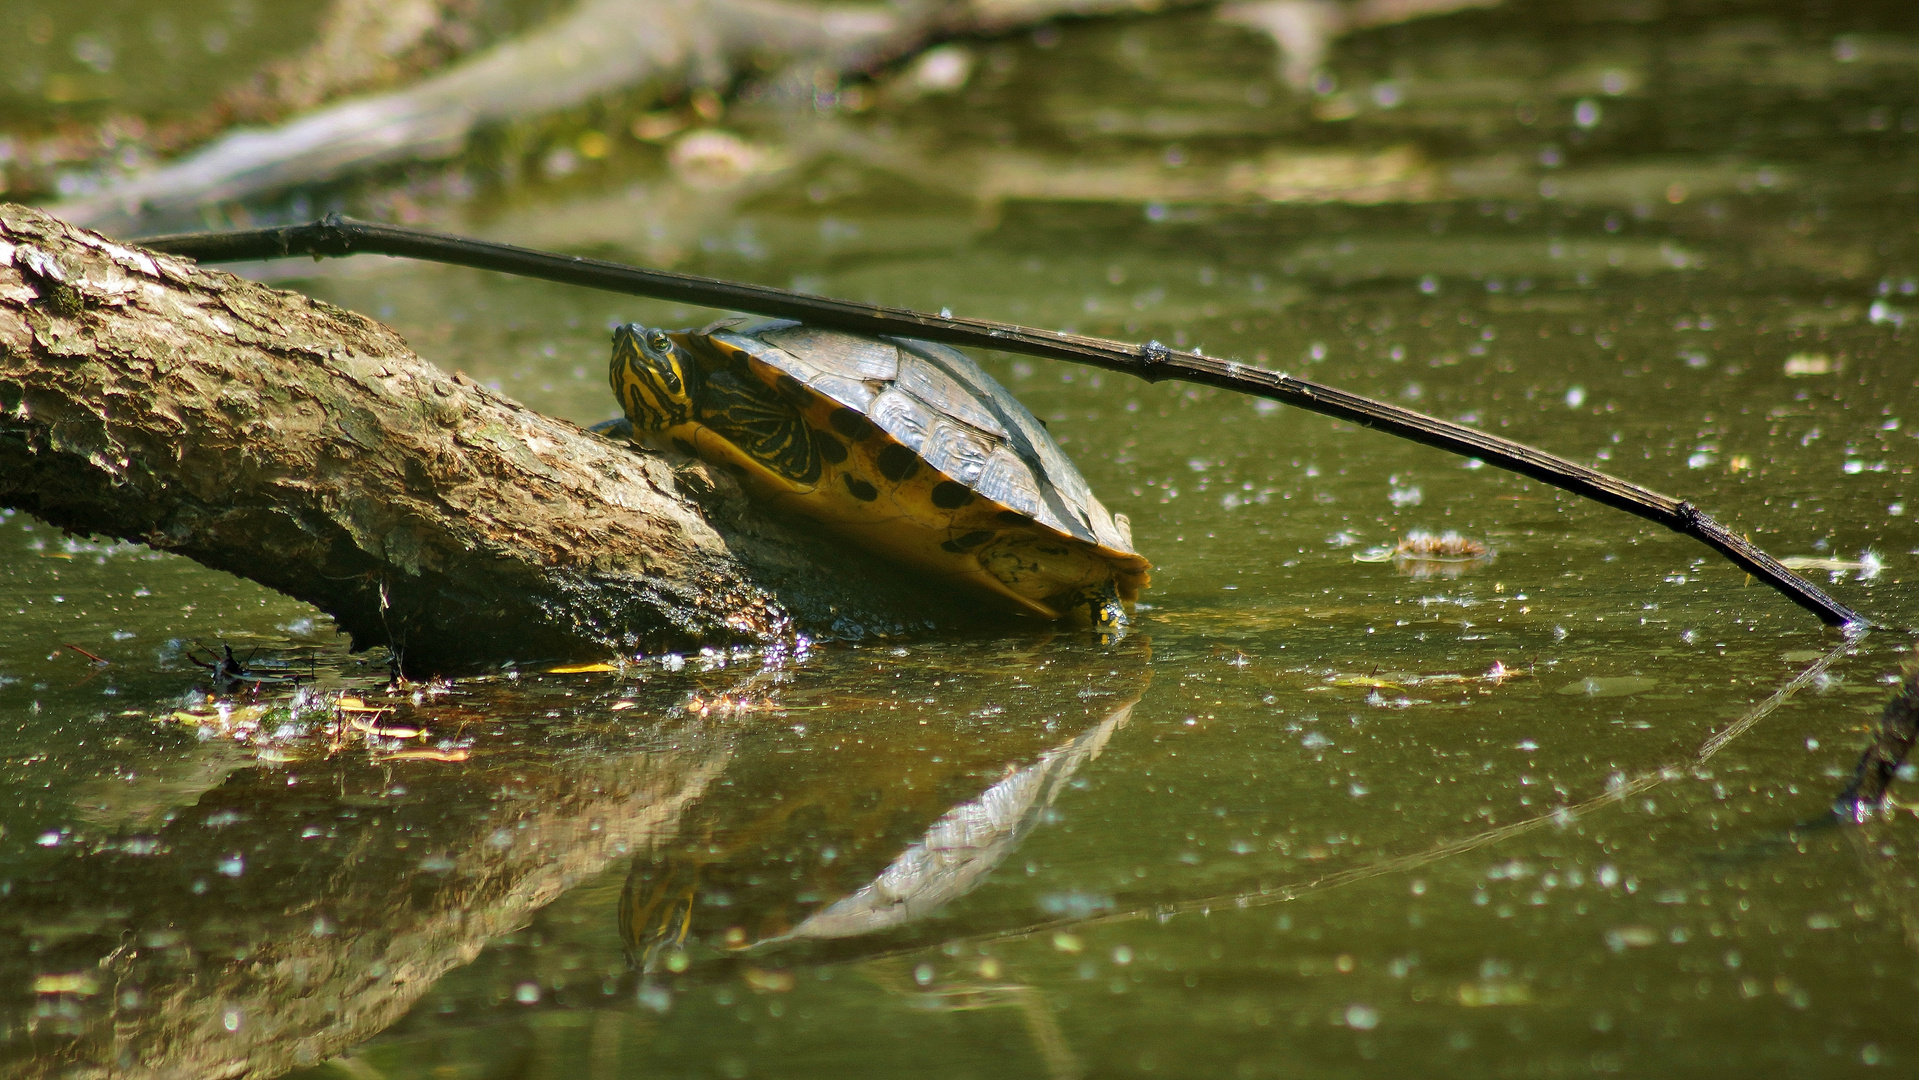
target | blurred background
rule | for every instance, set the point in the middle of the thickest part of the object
(1350, 812)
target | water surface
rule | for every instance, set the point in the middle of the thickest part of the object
(1317, 816)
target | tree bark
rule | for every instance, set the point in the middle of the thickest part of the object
(307, 448)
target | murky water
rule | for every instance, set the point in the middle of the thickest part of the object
(1318, 816)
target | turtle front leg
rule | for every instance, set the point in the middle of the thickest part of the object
(619, 429)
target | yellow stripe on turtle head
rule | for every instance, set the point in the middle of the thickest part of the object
(652, 377)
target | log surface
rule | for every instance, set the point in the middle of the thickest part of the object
(306, 447)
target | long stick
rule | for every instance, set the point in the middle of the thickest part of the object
(338, 236)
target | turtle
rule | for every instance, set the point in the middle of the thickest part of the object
(905, 448)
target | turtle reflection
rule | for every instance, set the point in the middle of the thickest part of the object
(808, 865)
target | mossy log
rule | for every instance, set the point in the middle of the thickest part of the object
(285, 440)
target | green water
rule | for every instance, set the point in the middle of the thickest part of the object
(1316, 817)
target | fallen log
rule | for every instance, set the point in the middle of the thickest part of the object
(306, 447)
(791, 50)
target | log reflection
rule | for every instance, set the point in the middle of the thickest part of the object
(288, 915)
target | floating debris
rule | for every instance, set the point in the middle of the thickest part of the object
(1868, 565)
(309, 724)
(1366, 682)
(389, 732)
(97, 661)
(1800, 365)
(1482, 995)
(427, 755)
(1421, 554)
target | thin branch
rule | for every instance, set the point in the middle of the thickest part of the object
(337, 236)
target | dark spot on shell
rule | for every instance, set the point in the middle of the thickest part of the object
(851, 423)
(968, 542)
(1013, 517)
(685, 447)
(860, 489)
(831, 449)
(951, 495)
(898, 462)
(793, 390)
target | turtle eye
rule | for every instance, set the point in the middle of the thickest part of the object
(657, 340)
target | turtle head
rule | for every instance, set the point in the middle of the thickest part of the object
(652, 376)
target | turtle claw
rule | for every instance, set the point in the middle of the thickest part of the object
(619, 429)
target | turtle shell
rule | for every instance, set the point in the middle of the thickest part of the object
(909, 448)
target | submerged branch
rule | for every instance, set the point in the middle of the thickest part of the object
(1886, 754)
(1153, 362)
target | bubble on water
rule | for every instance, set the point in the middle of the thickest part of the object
(1429, 285)
(1586, 113)
(1575, 396)
(527, 993)
(1362, 1017)
(232, 866)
